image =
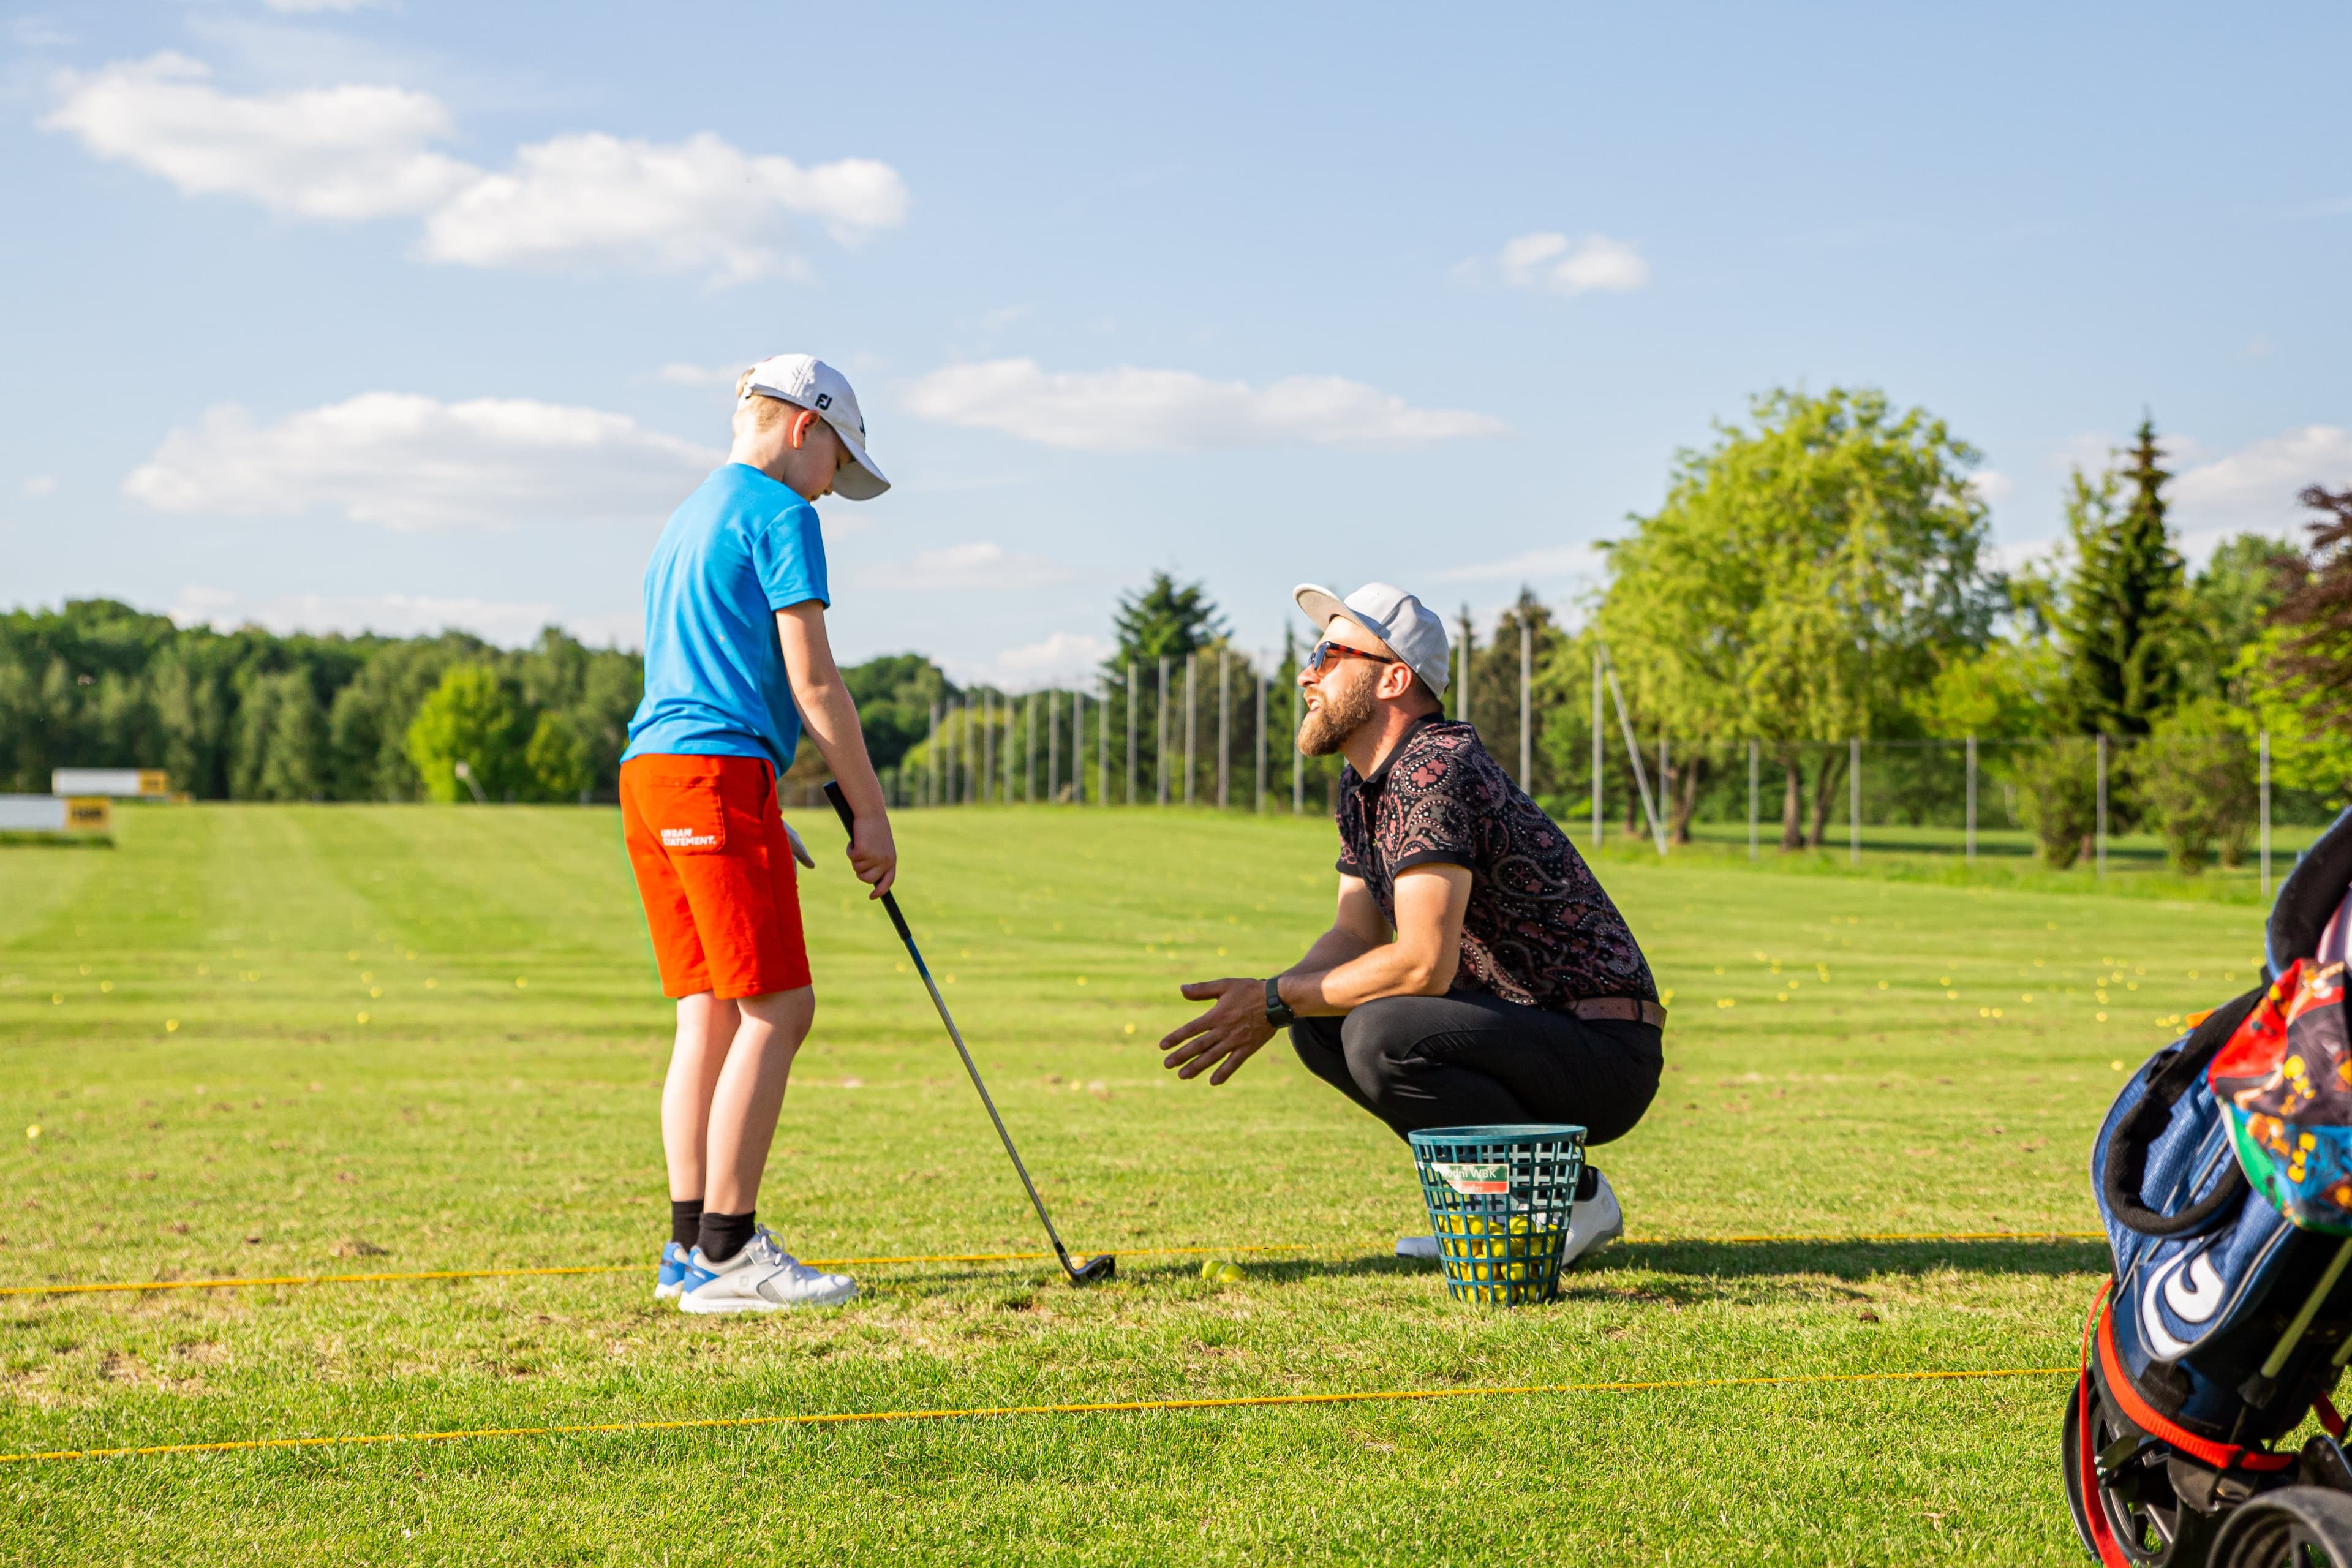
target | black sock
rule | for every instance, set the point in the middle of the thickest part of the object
(725, 1234)
(686, 1221)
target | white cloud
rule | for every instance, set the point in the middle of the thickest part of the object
(979, 566)
(355, 152)
(2253, 490)
(1553, 560)
(411, 462)
(40, 484)
(1132, 410)
(679, 373)
(307, 7)
(1992, 486)
(1554, 262)
(2037, 554)
(1065, 660)
(348, 152)
(697, 206)
(509, 622)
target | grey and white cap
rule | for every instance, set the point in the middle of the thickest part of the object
(807, 382)
(1414, 633)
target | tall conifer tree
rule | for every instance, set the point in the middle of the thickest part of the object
(2124, 602)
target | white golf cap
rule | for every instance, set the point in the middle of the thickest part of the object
(807, 382)
(1412, 632)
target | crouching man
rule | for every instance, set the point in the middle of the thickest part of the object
(1476, 973)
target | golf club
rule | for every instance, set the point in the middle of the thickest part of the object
(1102, 1265)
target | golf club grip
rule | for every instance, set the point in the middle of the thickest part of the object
(849, 825)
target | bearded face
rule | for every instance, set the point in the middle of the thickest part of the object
(1342, 704)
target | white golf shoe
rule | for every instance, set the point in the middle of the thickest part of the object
(763, 1278)
(1422, 1248)
(1593, 1224)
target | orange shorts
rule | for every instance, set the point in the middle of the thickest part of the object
(721, 894)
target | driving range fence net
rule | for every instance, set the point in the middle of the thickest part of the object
(1216, 728)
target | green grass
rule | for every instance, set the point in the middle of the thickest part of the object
(496, 1109)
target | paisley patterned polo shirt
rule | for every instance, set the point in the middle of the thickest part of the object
(1539, 930)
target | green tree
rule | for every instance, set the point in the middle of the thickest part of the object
(2195, 773)
(472, 718)
(280, 740)
(2229, 602)
(2311, 659)
(1802, 580)
(556, 760)
(2121, 620)
(1163, 619)
(2058, 794)
(895, 694)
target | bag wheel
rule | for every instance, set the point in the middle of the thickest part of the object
(2294, 1527)
(2150, 1525)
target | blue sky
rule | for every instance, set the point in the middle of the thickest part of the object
(342, 315)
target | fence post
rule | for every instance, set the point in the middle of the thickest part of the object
(1134, 690)
(1633, 755)
(1191, 720)
(1465, 715)
(1854, 801)
(962, 790)
(931, 760)
(1597, 756)
(1052, 747)
(1297, 761)
(1526, 708)
(1078, 746)
(2100, 869)
(1102, 748)
(1972, 800)
(2265, 779)
(1159, 735)
(1224, 724)
(1752, 749)
(1261, 743)
(1665, 780)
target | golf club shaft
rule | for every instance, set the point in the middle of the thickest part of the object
(890, 905)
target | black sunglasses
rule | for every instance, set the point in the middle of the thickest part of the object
(1327, 652)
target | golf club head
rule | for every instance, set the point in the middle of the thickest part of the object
(1093, 1270)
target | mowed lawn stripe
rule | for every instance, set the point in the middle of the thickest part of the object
(478, 1124)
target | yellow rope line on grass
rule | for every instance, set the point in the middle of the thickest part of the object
(256, 1281)
(861, 1417)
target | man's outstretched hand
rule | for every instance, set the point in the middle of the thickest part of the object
(1224, 1037)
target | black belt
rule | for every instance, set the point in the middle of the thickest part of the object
(1624, 1009)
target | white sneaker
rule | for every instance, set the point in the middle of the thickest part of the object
(763, 1278)
(1593, 1223)
(1420, 1248)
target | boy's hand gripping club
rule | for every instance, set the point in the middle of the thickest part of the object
(1103, 1265)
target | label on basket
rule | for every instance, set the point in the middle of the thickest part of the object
(1496, 1178)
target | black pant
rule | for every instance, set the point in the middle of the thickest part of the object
(1473, 1059)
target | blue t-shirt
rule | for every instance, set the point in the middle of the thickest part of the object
(740, 549)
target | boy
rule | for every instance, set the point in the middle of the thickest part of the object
(736, 664)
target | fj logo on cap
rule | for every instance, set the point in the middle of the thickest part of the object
(687, 838)
(825, 400)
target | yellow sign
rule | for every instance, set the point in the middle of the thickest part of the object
(155, 783)
(88, 812)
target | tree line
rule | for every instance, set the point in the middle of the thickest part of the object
(1822, 574)
(1819, 574)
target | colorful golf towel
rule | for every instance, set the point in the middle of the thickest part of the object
(2284, 1081)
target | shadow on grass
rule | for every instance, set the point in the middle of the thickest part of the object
(1693, 1270)
(1851, 1259)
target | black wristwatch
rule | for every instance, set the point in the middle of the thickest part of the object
(1278, 1012)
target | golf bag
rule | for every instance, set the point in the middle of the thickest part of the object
(2223, 1174)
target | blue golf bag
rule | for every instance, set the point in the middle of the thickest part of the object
(2226, 1323)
